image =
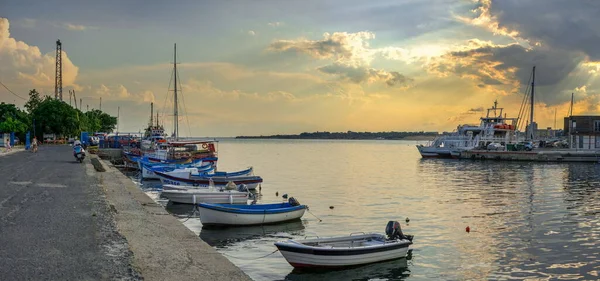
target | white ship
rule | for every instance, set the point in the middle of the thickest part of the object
(495, 131)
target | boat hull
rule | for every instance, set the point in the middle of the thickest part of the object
(211, 217)
(434, 152)
(182, 169)
(302, 256)
(205, 196)
(251, 182)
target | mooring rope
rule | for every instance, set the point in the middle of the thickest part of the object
(250, 257)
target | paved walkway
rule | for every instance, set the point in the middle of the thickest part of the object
(54, 221)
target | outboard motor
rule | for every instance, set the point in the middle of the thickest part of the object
(394, 231)
(293, 201)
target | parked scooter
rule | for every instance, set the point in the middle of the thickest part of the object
(78, 151)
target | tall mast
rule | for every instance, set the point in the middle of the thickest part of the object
(554, 118)
(175, 109)
(571, 108)
(532, 101)
(151, 114)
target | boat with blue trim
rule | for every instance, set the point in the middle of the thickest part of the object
(252, 214)
(250, 182)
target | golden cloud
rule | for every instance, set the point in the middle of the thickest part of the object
(22, 64)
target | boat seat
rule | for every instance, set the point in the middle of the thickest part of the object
(371, 243)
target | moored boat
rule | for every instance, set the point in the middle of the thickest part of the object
(175, 170)
(343, 251)
(205, 195)
(253, 214)
(251, 182)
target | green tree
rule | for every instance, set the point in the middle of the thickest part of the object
(34, 101)
(12, 125)
(55, 116)
(99, 121)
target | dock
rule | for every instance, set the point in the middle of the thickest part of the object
(543, 155)
(63, 220)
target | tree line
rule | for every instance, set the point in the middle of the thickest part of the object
(346, 135)
(50, 115)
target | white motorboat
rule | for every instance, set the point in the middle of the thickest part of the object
(253, 214)
(345, 251)
(249, 182)
(205, 195)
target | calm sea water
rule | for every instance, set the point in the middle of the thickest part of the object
(527, 220)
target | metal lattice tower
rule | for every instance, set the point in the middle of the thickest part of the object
(58, 76)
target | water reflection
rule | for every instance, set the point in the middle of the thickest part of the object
(390, 270)
(223, 237)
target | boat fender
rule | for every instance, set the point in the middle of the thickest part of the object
(293, 201)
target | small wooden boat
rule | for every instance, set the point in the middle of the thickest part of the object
(250, 182)
(254, 214)
(206, 195)
(342, 251)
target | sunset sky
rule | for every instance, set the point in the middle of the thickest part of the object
(269, 67)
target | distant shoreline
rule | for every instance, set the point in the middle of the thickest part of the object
(417, 136)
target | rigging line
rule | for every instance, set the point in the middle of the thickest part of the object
(524, 107)
(525, 95)
(187, 119)
(167, 96)
(12, 91)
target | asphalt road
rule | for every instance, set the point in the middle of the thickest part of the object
(54, 221)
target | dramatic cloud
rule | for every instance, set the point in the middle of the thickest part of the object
(507, 68)
(567, 25)
(363, 74)
(342, 47)
(21, 63)
(350, 53)
(485, 19)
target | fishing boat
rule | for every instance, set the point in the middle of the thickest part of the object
(344, 251)
(198, 167)
(251, 182)
(209, 173)
(205, 195)
(253, 214)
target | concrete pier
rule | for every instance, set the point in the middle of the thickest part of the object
(63, 220)
(547, 155)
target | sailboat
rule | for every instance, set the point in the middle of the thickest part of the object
(173, 148)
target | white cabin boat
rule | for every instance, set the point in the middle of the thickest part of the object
(495, 128)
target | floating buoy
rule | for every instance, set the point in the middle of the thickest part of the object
(276, 193)
(331, 207)
(259, 187)
(285, 196)
(407, 220)
(468, 229)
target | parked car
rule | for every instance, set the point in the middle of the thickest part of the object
(525, 145)
(93, 140)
